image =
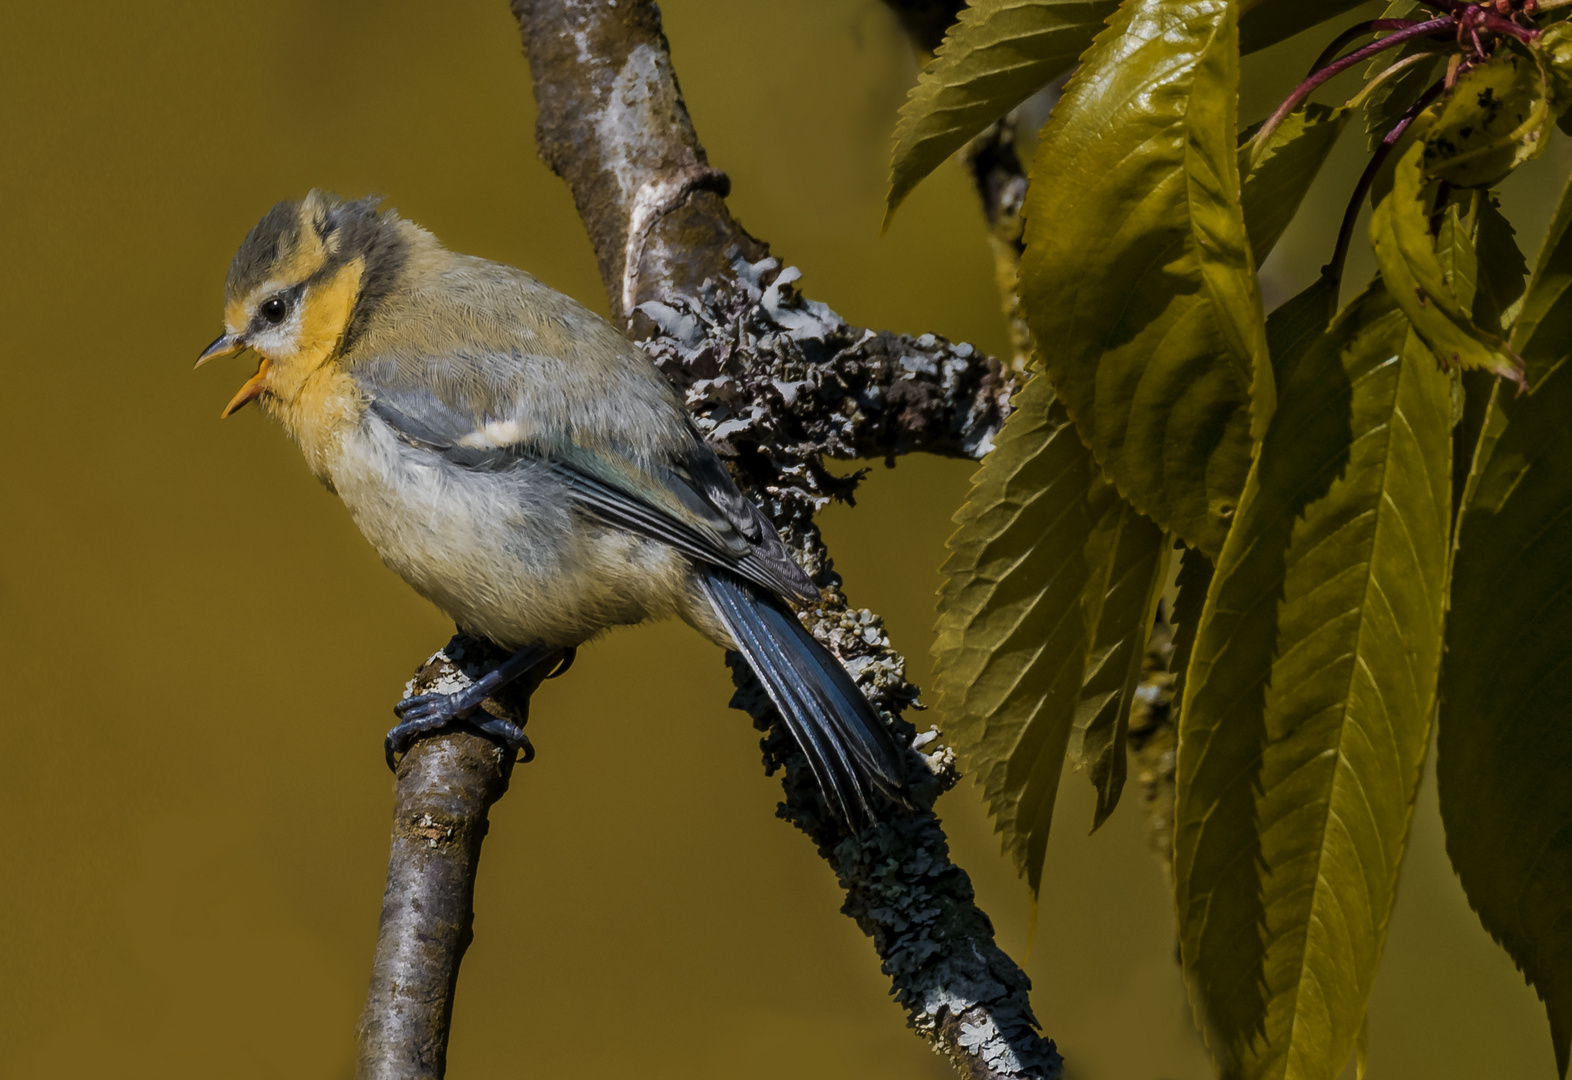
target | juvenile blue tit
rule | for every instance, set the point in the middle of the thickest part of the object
(524, 467)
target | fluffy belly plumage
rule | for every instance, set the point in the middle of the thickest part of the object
(500, 552)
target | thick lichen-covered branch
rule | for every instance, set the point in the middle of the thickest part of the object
(777, 383)
(612, 123)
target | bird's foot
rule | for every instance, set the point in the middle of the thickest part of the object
(430, 712)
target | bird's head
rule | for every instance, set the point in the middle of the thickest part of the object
(302, 277)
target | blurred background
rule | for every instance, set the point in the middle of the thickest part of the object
(201, 653)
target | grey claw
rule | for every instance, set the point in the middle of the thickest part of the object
(428, 712)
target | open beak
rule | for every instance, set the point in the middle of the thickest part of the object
(226, 345)
(249, 392)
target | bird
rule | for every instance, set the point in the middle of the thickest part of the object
(524, 467)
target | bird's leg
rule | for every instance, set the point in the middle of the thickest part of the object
(428, 712)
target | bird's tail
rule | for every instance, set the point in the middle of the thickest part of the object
(849, 748)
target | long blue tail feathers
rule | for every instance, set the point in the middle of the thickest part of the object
(849, 748)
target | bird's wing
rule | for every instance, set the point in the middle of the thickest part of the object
(688, 500)
(485, 365)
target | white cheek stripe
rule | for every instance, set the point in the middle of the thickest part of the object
(278, 340)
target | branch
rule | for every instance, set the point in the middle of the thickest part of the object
(613, 125)
(445, 787)
(1000, 182)
(776, 382)
(1154, 742)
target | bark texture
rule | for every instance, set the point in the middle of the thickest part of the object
(612, 124)
(446, 784)
(777, 382)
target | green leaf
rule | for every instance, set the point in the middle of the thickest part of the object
(1543, 332)
(1010, 644)
(1279, 173)
(1416, 279)
(1047, 601)
(1554, 49)
(1495, 117)
(996, 55)
(1504, 751)
(1297, 323)
(1455, 248)
(1138, 281)
(1195, 578)
(1307, 708)
(1502, 269)
(1278, 20)
(1128, 563)
(1485, 270)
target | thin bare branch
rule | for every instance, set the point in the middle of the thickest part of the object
(446, 784)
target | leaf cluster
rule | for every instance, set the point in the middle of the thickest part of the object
(1372, 499)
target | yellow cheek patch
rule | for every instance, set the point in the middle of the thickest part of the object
(327, 311)
(323, 320)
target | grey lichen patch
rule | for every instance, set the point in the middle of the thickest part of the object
(761, 364)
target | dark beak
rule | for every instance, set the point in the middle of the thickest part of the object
(225, 345)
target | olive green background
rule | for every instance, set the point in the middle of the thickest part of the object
(200, 653)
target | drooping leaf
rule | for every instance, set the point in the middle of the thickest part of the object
(1485, 270)
(1278, 173)
(1272, 21)
(1297, 323)
(1195, 578)
(1504, 751)
(1495, 117)
(1138, 281)
(1461, 229)
(1405, 250)
(996, 55)
(1503, 272)
(1044, 612)
(1455, 248)
(1010, 643)
(1127, 561)
(1542, 334)
(1307, 707)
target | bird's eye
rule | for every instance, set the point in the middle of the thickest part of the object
(274, 310)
